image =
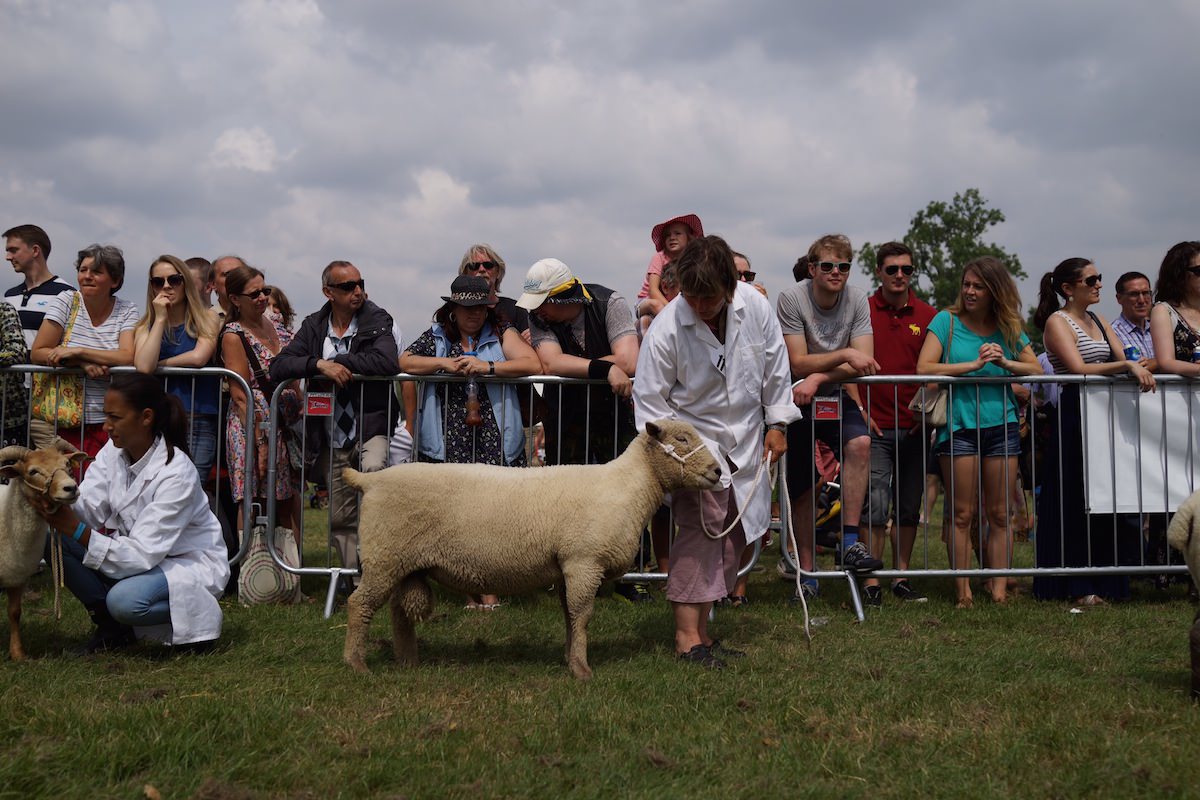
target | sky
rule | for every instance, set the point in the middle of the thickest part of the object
(396, 134)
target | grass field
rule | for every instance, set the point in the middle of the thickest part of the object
(922, 700)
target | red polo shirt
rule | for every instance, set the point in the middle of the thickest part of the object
(899, 334)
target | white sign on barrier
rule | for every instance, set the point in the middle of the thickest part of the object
(1123, 477)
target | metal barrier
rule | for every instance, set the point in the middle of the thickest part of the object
(1019, 559)
(37, 429)
(1104, 431)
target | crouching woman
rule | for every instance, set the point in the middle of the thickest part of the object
(141, 548)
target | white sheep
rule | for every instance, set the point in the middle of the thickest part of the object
(50, 474)
(1184, 535)
(484, 529)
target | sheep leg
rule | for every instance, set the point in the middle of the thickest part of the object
(15, 650)
(372, 592)
(412, 601)
(581, 599)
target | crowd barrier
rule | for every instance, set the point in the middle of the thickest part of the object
(1136, 469)
(185, 381)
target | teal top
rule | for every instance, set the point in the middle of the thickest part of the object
(975, 406)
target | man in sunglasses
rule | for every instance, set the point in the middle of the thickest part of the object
(899, 320)
(349, 335)
(746, 274)
(827, 330)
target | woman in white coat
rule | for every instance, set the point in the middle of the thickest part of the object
(141, 548)
(715, 357)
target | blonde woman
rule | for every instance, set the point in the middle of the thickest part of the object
(177, 331)
(982, 334)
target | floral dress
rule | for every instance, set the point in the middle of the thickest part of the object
(466, 444)
(287, 482)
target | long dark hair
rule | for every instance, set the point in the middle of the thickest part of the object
(1173, 275)
(1050, 288)
(143, 391)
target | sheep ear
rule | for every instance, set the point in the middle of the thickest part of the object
(78, 458)
(12, 469)
(654, 430)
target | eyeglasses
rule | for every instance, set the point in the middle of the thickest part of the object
(175, 280)
(1092, 280)
(892, 269)
(257, 293)
(747, 276)
(829, 266)
(475, 266)
(349, 286)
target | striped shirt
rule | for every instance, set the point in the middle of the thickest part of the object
(1092, 351)
(106, 336)
(31, 303)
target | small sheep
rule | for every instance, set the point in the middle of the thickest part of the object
(48, 473)
(478, 528)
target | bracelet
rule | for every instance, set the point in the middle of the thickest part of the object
(491, 368)
(79, 529)
(777, 426)
(598, 368)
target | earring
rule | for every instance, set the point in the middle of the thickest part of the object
(452, 319)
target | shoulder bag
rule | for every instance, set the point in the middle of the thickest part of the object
(933, 406)
(58, 399)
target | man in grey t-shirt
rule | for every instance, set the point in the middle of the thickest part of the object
(827, 330)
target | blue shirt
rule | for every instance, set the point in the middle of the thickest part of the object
(207, 391)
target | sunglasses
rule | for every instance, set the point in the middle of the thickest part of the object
(257, 293)
(892, 269)
(478, 265)
(747, 276)
(349, 286)
(829, 266)
(175, 280)
(1092, 280)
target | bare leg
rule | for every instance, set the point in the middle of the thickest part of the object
(999, 483)
(962, 494)
(802, 526)
(691, 625)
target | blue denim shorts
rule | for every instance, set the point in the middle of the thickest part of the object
(998, 440)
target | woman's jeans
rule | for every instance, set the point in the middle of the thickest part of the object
(139, 600)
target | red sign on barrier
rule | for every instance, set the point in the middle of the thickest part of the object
(827, 408)
(320, 404)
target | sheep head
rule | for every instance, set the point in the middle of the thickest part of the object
(47, 473)
(680, 457)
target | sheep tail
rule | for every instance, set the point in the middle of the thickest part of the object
(355, 479)
(1180, 529)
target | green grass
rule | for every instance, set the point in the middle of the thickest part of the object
(922, 700)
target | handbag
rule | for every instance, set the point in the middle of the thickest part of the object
(58, 399)
(934, 406)
(261, 580)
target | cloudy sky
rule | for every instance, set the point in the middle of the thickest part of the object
(394, 134)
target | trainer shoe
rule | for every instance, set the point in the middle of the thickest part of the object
(633, 593)
(904, 591)
(873, 596)
(858, 559)
(809, 591)
(702, 655)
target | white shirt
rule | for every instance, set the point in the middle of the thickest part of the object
(726, 391)
(155, 514)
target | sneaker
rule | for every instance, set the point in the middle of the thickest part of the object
(809, 591)
(633, 593)
(703, 656)
(873, 596)
(786, 571)
(904, 591)
(858, 559)
(718, 649)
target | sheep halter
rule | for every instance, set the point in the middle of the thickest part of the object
(669, 449)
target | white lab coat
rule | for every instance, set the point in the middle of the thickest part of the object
(727, 392)
(158, 518)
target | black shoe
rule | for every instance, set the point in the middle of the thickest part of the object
(873, 596)
(703, 656)
(633, 593)
(858, 559)
(108, 638)
(904, 591)
(718, 649)
(195, 648)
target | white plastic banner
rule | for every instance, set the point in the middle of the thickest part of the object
(1140, 450)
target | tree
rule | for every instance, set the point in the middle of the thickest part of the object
(943, 237)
